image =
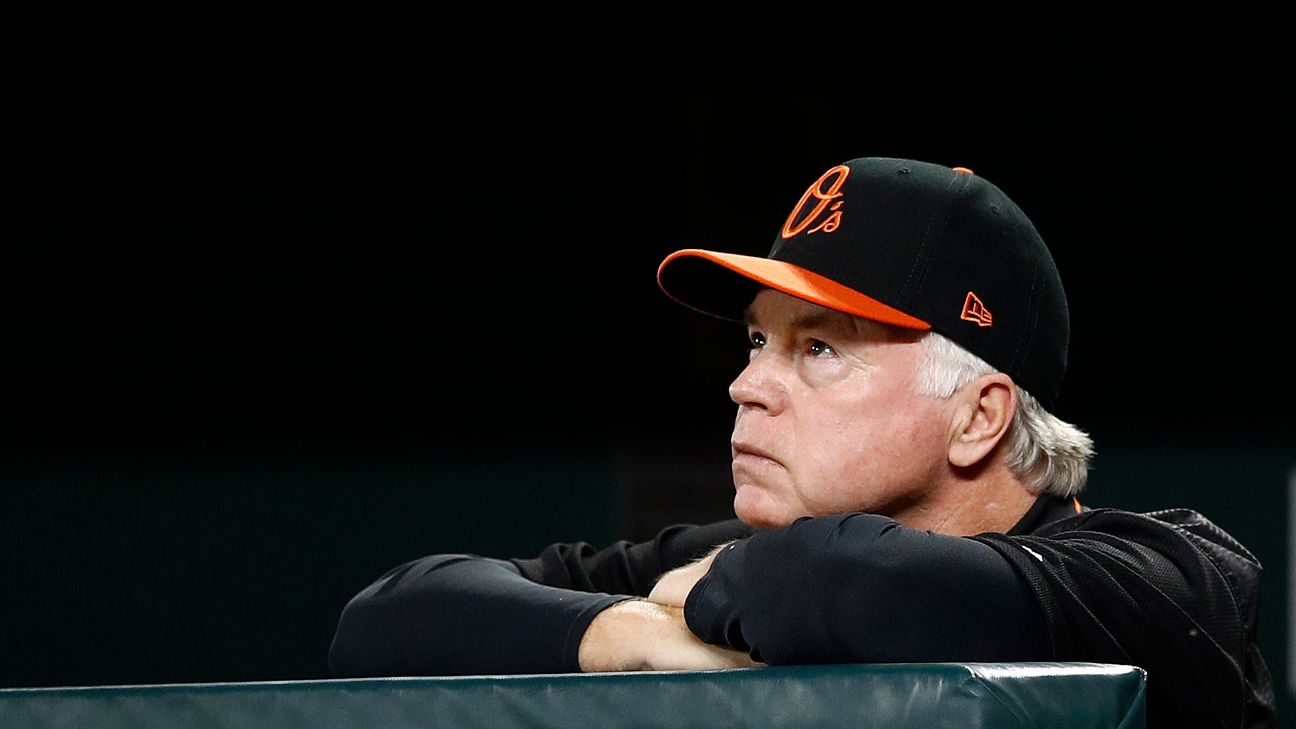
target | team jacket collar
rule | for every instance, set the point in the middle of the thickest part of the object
(1046, 510)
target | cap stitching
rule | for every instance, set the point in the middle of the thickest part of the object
(1028, 336)
(923, 260)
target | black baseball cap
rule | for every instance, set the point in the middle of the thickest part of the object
(913, 244)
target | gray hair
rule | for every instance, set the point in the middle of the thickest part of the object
(1048, 454)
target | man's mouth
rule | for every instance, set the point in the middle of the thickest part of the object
(750, 450)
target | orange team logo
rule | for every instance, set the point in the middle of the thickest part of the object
(827, 203)
(974, 310)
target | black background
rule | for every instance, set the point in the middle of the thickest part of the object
(297, 292)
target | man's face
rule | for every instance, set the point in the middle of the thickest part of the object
(828, 417)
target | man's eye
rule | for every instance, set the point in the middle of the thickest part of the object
(820, 349)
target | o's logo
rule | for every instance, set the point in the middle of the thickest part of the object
(825, 195)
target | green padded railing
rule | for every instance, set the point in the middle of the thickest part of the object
(892, 696)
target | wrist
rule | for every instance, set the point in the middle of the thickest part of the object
(617, 638)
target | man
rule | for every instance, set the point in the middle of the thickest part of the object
(903, 493)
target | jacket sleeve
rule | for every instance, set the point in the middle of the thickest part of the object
(861, 588)
(464, 614)
(1167, 591)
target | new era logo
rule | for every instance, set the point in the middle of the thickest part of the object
(974, 310)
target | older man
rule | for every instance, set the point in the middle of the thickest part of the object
(903, 492)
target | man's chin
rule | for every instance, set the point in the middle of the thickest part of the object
(754, 507)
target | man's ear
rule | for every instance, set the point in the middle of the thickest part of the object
(984, 409)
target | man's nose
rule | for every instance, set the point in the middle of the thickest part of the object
(760, 385)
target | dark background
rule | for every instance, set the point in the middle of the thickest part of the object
(298, 293)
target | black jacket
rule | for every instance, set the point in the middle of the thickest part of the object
(1167, 591)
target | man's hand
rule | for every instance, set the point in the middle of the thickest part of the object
(639, 635)
(674, 586)
(651, 635)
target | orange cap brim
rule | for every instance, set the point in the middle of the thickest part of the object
(791, 280)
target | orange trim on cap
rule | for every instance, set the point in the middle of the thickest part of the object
(964, 170)
(796, 281)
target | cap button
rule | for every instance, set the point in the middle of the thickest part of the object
(963, 170)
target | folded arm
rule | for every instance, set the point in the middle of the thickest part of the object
(862, 588)
(459, 614)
